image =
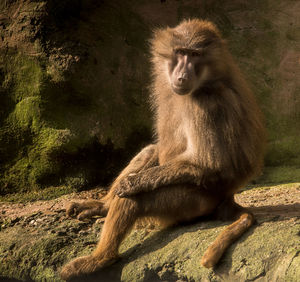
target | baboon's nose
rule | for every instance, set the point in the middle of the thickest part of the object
(182, 78)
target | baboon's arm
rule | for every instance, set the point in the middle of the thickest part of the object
(145, 159)
(154, 177)
(148, 157)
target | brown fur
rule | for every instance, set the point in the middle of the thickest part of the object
(209, 144)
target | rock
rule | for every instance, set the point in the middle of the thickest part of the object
(269, 251)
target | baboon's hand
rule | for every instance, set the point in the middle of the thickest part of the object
(128, 186)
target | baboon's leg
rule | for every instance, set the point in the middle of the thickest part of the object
(226, 211)
(171, 205)
(120, 218)
(82, 210)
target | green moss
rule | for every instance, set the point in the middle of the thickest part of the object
(36, 195)
(44, 144)
(293, 270)
(27, 114)
(28, 76)
(23, 82)
(281, 174)
(283, 151)
(34, 257)
(29, 169)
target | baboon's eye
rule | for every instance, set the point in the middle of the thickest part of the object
(207, 43)
(180, 52)
(195, 54)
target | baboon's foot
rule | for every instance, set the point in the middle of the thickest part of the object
(84, 266)
(87, 209)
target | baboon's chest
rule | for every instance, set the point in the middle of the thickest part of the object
(177, 137)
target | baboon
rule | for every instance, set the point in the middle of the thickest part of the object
(210, 142)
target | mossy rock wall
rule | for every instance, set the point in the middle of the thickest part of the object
(74, 78)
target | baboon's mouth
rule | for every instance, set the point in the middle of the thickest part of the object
(180, 90)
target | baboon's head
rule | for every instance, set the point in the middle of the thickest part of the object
(192, 52)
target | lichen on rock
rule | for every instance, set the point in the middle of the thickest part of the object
(38, 239)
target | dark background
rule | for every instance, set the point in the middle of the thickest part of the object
(74, 79)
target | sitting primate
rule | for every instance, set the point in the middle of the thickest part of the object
(210, 142)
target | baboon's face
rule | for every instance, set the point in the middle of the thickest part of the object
(187, 71)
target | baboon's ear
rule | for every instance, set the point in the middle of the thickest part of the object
(161, 42)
